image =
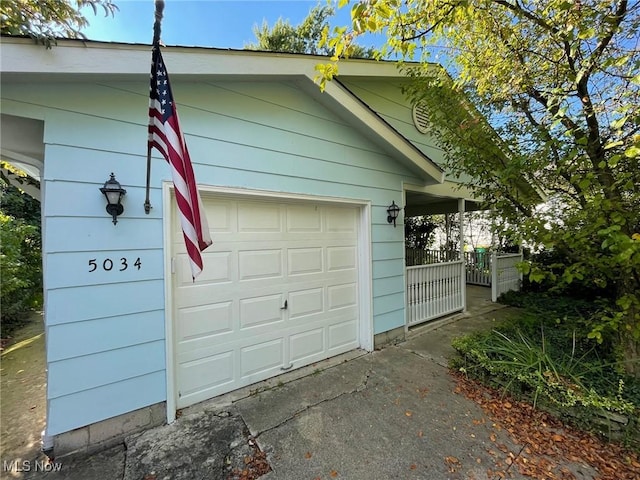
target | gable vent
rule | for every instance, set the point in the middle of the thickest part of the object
(420, 117)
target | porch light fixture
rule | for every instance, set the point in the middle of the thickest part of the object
(113, 192)
(392, 213)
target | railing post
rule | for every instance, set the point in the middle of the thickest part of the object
(494, 276)
(463, 270)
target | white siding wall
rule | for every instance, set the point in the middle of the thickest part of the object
(105, 330)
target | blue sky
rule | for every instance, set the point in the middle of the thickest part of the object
(203, 23)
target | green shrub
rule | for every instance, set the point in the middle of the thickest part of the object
(533, 367)
(571, 319)
(548, 360)
(20, 266)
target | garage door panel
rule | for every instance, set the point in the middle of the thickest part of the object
(339, 296)
(343, 335)
(260, 264)
(196, 294)
(301, 261)
(303, 218)
(303, 303)
(220, 216)
(204, 320)
(259, 217)
(341, 258)
(306, 344)
(217, 268)
(231, 327)
(339, 219)
(260, 311)
(261, 357)
(217, 370)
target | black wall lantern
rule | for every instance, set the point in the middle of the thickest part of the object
(114, 192)
(392, 213)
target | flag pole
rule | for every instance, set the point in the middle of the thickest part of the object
(157, 27)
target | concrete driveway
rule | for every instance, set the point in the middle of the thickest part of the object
(392, 413)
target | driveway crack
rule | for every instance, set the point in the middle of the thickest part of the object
(361, 386)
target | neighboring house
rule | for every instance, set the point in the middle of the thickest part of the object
(296, 185)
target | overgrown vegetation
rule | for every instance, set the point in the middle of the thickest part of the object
(543, 354)
(20, 256)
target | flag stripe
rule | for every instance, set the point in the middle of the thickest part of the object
(166, 136)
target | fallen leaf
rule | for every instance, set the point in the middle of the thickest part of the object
(423, 392)
(408, 413)
(307, 455)
(547, 451)
(420, 433)
(493, 437)
(451, 460)
(413, 466)
(333, 474)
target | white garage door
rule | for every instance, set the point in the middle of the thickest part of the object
(279, 290)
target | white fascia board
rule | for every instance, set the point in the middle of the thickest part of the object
(75, 57)
(22, 55)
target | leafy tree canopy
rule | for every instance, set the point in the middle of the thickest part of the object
(46, 20)
(559, 83)
(304, 38)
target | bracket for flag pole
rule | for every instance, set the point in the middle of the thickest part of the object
(147, 203)
(157, 28)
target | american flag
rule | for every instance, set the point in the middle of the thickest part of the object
(166, 136)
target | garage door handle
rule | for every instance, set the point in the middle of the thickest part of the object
(285, 306)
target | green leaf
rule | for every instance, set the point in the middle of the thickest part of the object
(613, 161)
(632, 152)
(584, 184)
(618, 124)
(611, 145)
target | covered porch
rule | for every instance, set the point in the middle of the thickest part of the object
(442, 283)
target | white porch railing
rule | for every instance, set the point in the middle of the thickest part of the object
(434, 290)
(505, 275)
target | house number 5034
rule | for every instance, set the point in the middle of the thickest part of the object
(108, 264)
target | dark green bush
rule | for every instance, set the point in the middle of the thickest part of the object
(554, 262)
(543, 355)
(20, 257)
